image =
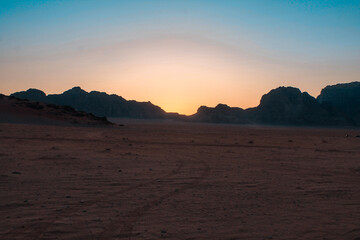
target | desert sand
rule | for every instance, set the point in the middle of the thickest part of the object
(149, 180)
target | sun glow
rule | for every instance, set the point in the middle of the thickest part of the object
(180, 54)
(180, 75)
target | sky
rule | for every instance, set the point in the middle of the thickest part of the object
(179, 54)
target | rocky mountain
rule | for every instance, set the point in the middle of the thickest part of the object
(288, 105)
(31, 94)
(16, 110)
(220, 114)
(337, 105)
(342, 100)
(97, 103)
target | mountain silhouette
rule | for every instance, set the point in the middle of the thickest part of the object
(337, 105)
(97, 103)
(288, 105)
(342, 100)
(17, 110)
(220, 114)
(31, 94)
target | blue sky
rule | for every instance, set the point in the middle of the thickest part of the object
(305, 23)
(310, 37)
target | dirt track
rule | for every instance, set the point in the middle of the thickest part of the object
(178, 181)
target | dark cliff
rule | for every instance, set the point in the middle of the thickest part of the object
(97, 103)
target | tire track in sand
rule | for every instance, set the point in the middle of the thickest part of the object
(128, 221)
(36, 230)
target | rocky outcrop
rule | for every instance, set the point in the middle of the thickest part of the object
(97, 103)
(31, 94)
(290, 106)
(342, 100)
(16, 110)
(220, 114)
(337, 105)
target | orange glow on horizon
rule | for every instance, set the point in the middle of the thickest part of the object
(179, 74)
(179, 55)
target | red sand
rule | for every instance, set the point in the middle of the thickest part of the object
(178, 181)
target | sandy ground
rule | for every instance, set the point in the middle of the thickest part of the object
(178, 181)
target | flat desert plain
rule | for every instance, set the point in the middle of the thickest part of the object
(149, 180)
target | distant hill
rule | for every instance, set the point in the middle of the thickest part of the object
(337, 105)
(97, 103)
(288, 105)
(220, 114)
(15, 110)
(342, 100)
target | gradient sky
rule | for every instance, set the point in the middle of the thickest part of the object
(179, 54)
